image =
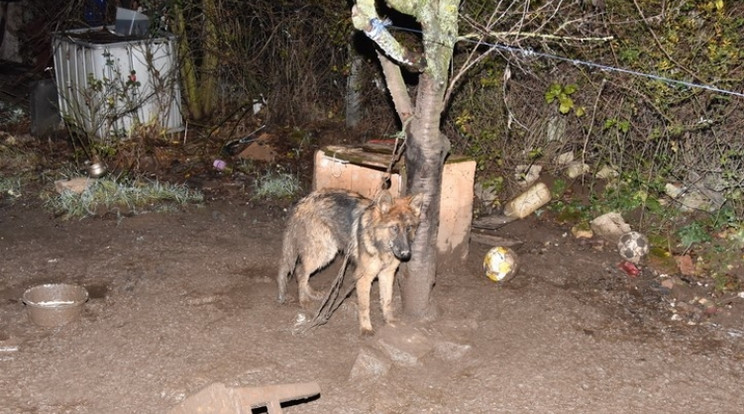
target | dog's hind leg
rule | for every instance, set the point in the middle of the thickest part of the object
(286, 267)
(306, 293)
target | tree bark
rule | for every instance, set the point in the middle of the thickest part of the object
(426, 149)
(354, 85)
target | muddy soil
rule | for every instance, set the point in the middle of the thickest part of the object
(184, 299)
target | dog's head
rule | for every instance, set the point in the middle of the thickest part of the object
(398, 221)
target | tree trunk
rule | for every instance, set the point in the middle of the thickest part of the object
(426, 149)
(199, 81)
(354, 86)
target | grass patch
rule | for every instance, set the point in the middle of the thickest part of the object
(10, 188)
(277, 185)
(134, 196)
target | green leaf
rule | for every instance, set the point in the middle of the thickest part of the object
(566, 105)
(693, 233)
(552, 93)
(624, 126)
(570, 89)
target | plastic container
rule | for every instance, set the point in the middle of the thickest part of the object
(526, 203)
(92, 66)
(54, 305)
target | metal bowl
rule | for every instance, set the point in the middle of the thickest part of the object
(55, 304)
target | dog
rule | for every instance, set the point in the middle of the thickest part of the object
(375, 234)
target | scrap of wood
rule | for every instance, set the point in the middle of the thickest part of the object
(492, 222)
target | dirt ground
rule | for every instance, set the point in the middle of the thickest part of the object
(185, 299)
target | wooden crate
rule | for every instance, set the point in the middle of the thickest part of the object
(362, 169)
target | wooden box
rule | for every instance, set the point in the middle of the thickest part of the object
(362, 169)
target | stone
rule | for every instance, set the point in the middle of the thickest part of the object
(674, 190)
(579, 231)
(450, 351)
(526, 175)
(686, 265)
(76, 185)
(606, 173)
(610, 226)
(565, 158)
(405, 346)
(369, 363)
(576, 169)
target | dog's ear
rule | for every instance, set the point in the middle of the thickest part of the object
(417, 203)
(384, 201)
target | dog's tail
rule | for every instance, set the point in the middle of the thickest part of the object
(287, 266)
(332, 300)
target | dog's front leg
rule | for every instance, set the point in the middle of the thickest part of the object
(386, 279)
(363, 287)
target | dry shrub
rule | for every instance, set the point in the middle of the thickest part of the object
(292, 54)
(641, 126)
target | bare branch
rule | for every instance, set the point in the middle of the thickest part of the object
(397, 88)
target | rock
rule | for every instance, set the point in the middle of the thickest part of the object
(606, 173)
(576, 169)
(565, 158)
(487, 195)
(450, 351)
(579, 231)
(403, 345)
(674, 190)
(369, 363)
(76, 185)
(686, 265)
(610, 226)
(667, 284)
(527, 174)
(694, 201)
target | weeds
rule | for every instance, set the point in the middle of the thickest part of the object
(120, 197)
(10, 187)
(276, 185)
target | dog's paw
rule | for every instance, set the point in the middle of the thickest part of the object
(367, 332)
(307, 304)
(314, 294)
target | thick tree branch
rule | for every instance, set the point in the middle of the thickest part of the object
(397, 88)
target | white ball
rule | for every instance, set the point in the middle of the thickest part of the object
(633, 246)
(500, 264)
